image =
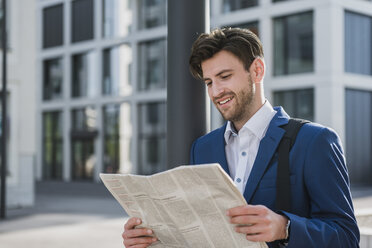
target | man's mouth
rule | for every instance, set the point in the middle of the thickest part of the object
(225, 101)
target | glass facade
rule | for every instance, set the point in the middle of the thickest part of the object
(152, 13)
(53, 79)
(84, 83)
(53, 26)
(116, 70)
(152, 65)
(82, 25)
(117, 18)
(52, 145)
(233, 5)
(297, 103)
(83, 135)
(152, 137)
(358, 43)
(293, 44)
(117, 130)
(252, 26)
(121, 74)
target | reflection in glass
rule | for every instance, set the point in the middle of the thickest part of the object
(53, 79)
(84, 119)
(152, 13)
(152, 138)
(84, 83)
(83, 135)
(358, 40)
(117, 18)
(152, 72)
(52, 145)
(293, 44)
(232, 5)
(117, 138)
(117, 63)
(297, 103)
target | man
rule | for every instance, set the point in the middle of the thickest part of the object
(231, 63)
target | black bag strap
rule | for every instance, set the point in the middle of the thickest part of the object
(283, 184)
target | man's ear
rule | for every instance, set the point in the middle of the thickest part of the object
(257, 70)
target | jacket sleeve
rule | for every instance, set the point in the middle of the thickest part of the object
(332, 222)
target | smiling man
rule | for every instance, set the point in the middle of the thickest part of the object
(231, 64)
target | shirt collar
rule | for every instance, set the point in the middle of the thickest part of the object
(257, 124)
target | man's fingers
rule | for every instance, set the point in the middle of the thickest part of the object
(140, 246)
(257, 237)
(131, 223)
(245, 219)
(137, 233)
(139, 242)
(247, 210)
(252, 229)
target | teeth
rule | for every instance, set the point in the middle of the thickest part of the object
(225, 101)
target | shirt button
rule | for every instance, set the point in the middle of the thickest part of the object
(238, 180)
(244, 153)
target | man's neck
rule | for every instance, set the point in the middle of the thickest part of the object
(251, 112)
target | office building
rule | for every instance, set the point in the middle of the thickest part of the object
(101, 102)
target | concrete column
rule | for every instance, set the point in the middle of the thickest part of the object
(186, 105)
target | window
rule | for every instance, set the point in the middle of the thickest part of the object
(117, 18)
(358, 135)
(83, 135)
(152, 72)
(152, 138)
(84, 120)
(252, 26)
(117, 138)
(53, 26)
(82, 20)
(116, 71)
(232, 5)
(293, 44)
(83, 78)
(358, 43)
(53, 79)
(52, 145)
(152, 13)
(297, 103)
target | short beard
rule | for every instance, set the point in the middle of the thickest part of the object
(243, 100)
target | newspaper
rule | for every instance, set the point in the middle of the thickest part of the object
(185, 206)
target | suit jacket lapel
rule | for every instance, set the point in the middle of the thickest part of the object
(265, 152)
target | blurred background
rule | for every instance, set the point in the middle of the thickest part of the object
(87, 86)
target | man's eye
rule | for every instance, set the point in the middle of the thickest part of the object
(208, 83)
(225, 76)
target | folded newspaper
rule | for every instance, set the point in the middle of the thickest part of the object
(185, 206)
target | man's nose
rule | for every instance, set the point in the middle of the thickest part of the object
(217, 90)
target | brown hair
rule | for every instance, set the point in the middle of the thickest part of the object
(243, 43)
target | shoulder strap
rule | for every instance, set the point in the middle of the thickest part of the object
(283, 184)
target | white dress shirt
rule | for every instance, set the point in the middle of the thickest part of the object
(242, 147)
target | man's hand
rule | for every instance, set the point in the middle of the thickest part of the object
(259, 223)
(137, 237)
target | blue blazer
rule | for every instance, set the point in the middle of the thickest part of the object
(322, 210)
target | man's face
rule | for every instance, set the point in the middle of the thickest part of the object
(230, 86)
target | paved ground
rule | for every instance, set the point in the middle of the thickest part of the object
(77, 215)
(69, 215)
